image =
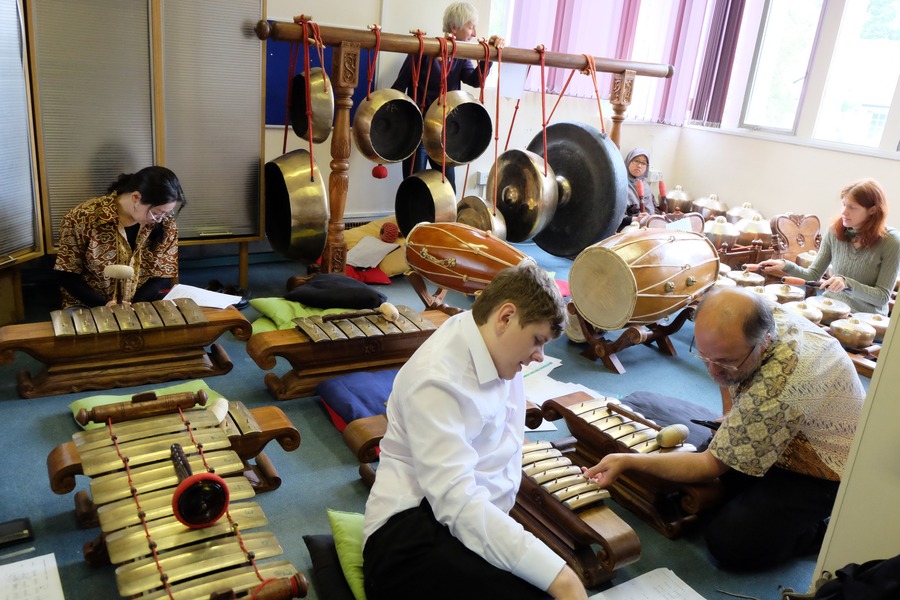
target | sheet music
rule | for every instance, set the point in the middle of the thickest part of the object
(658, 584)
(202, 297)
(31, 579)
(369, 252)
(512, 84)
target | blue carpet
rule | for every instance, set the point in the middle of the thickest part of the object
(322, 473)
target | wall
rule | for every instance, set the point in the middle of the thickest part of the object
(773, 175)
(864, 524)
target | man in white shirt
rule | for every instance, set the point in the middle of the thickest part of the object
(437, 519)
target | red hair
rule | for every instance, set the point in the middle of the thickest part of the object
(868, 193)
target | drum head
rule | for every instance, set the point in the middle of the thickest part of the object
(593, 168)
(641, 276)
(607, 290)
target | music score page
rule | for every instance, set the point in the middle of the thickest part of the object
(32, 579)
(658, 584)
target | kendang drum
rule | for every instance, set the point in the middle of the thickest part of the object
(458, 257)
(641, 276)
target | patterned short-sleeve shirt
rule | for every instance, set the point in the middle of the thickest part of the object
(90, 239)
(798, 411)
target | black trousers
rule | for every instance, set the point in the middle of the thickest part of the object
(414, 556)
(419, 161)
(767, 520)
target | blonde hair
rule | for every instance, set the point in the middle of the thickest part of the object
(531, 289)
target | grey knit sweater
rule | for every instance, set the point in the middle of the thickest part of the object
(870, 272)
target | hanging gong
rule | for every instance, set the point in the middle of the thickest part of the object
(526, 197)
(424, 197)
(387, 126)
(590, 167)
(468, 129)
(296, 208)
(321, 101)
(476, 212)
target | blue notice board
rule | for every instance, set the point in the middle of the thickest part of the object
(278, 80)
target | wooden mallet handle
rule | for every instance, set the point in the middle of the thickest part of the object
(142, 405)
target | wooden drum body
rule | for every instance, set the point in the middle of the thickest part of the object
(641, 276)
(458, 257)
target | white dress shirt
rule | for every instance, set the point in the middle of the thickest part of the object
(454, 437)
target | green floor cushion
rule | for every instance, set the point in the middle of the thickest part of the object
(347, 529)
(280, 313)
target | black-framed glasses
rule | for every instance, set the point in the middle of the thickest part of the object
(721, 365)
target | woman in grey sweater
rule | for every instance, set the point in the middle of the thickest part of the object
(863, 252)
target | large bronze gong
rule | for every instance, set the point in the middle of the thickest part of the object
(581, 199)
(296, 207)
(598, 187)
(526, 197)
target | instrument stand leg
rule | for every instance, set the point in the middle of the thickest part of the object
(262, 476)
(432, 301)
(95, 552)
(601, 348)
(865, 360)
(85, 511)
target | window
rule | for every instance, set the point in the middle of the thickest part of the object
(863, 75)
(784, 49)
(816, 70)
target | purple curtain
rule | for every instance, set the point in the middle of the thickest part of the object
(604, 29)
(607, 28)
(683, 39)
(715, 72)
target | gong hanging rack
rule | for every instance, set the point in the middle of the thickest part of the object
(348, 42)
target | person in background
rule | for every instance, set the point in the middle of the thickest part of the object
(863, 252)
(133, 225)
(437, 517)
(784, 440)
(460, 19)
(640, 197)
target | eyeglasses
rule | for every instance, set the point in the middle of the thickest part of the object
(158, 218)
(640, 163)
(717, 363)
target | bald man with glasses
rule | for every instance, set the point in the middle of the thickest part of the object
(784, 440)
